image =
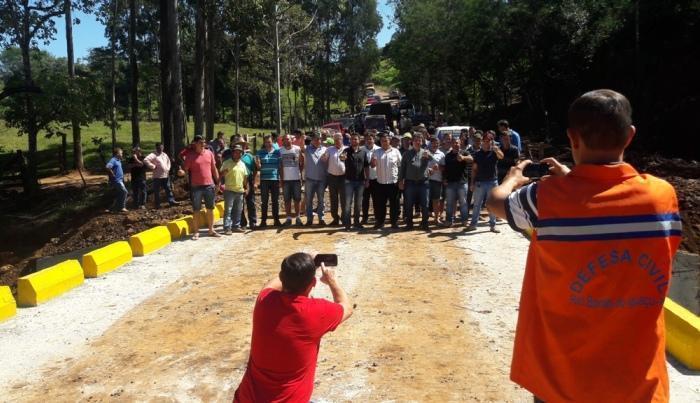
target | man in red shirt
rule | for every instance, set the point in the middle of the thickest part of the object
(287, 330)
(204, 177)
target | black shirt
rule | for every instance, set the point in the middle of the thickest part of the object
(456, 171)
(137, 172)
(355, 164)
(510, 158)
(485, 165)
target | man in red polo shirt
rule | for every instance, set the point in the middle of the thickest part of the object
(204, 179)
(287, 330)
(603, 236)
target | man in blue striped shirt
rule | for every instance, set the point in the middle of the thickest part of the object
(267, 161)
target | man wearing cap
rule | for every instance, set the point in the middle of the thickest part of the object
(235, 174)
(315, 173)
(249, 160)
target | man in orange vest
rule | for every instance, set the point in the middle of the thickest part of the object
(603, 237)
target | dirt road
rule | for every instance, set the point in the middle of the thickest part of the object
(434, 321)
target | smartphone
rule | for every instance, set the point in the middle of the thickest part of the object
(328, 259)
(536, 170)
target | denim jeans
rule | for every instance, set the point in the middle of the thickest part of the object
(233, 206)
(163, 183)
(312, 188)
(208, 192)
(139, 189)
(353, 193)
(416, 192)
(456, 192)
(269, 189)
(120, 196)
(481, 192)
(368, 193)
(250, 205)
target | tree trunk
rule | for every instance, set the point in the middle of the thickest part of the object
(210, 76)
(201, 38)
(278, 98)
(175, 97)
(166, 112)
(113, 106)
(77, 146)
(134, 70)
(31, 182)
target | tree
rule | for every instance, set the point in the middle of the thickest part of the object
(172, 113)
(23, 24)
(134, 74)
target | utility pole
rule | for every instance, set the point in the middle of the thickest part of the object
(277, 72)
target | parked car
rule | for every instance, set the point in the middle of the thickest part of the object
(377, 122)
(335, 125)
(454, 130)
(383, 108)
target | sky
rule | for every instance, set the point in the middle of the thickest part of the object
(90, 33)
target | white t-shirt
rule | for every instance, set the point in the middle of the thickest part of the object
(335, 165)
(290, 163)
(439, 160)
(370, 152)
(388, 163)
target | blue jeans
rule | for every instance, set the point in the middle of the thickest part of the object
(353, 192)
(163, 183)
(269, 189)
(120, 197)
(138, 187)
(481, 192)
(314, 187)
(416, 192)
(454, 192)
(233, 206)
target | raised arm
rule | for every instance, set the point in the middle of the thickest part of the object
(339, 295)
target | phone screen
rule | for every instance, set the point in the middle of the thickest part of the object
(536, 170)
(328, 259)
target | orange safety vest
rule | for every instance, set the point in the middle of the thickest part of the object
(591, 324)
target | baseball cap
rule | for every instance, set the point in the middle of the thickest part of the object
(407, 135)
(237, 147)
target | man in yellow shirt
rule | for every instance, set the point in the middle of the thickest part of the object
(236, 173)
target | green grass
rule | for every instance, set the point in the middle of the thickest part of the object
(48, 148)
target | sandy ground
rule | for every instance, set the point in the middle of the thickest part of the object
(434, 321)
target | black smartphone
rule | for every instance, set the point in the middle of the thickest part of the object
(328, 259)
(536, 170)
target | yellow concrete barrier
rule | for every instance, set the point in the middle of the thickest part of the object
(106, 259)
(51, 282)
(682, 334)
(180, 227)
(220, 208)
(8, 306)
(150, 240)
(202, 217)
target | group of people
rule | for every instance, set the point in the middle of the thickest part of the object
(603, 236)
(434, 175)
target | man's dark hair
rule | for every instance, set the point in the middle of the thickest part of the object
(431, 130)
(158, 144)
(116, 150)
(266, 137)
(602, 118)
(503, 123)
(297, 272)
(230, 140)
(197, 138)
(219, 134)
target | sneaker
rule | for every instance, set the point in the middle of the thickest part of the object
(277, 223)
(394, 226)
(322, 223)
(445, 224)
(309, 221)
(378, 226)
(470, 228)
(334, 223)
(298, 222)
(359, 226)
(175, 203)
(237, 229)
(263, 224)
(227, 231)
(252, 227)
(288, 222)
(495, 230)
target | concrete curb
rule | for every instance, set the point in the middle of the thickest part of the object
(179, 228)
(106, 259)
(8, 306)
(49, 283)
(150, 240)
(682, 334)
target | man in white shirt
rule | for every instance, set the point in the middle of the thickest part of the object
(159, 162)
(291, 164)
(336, 177)
(369, 148)
(387, 161)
